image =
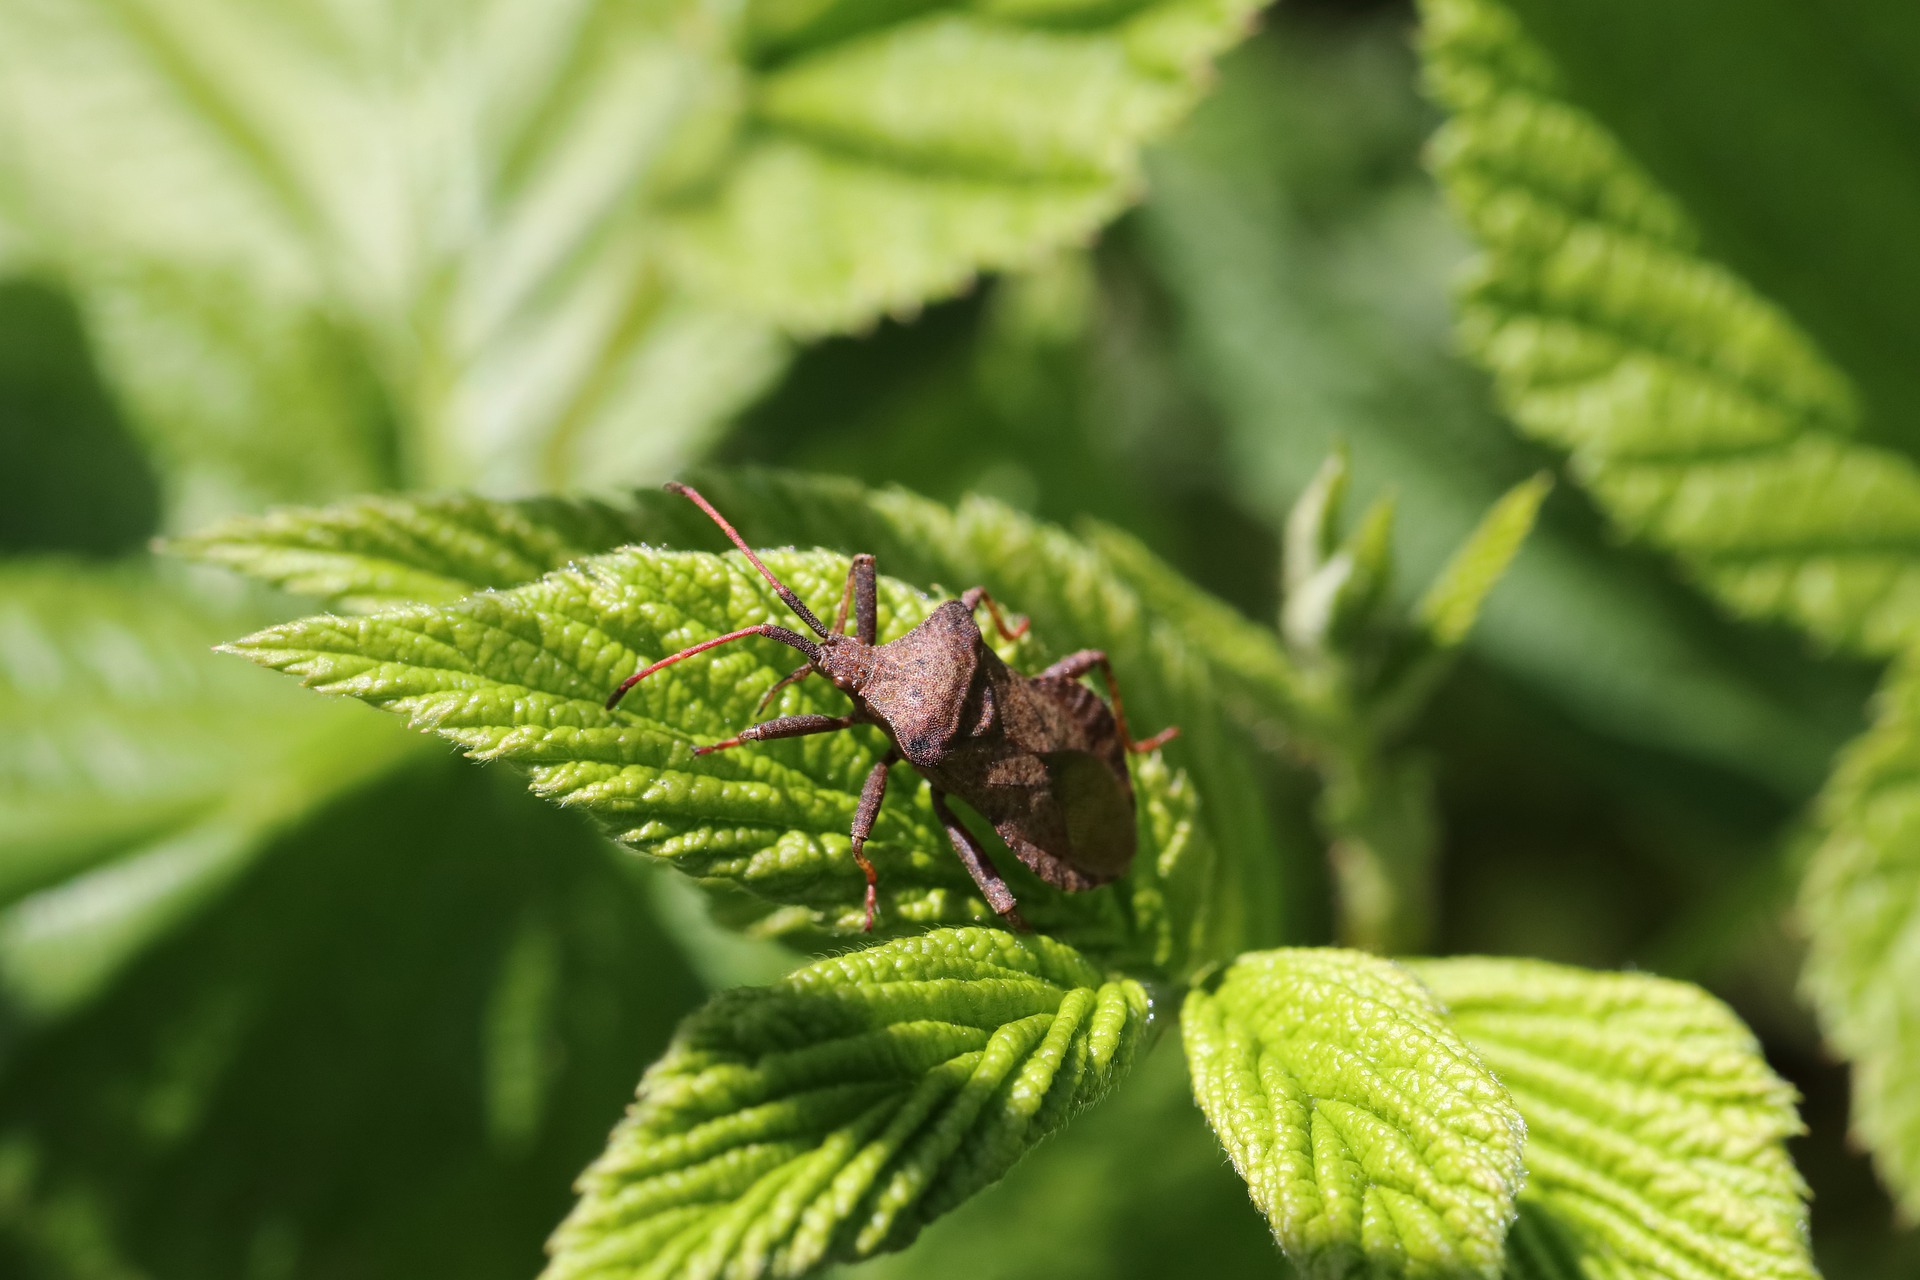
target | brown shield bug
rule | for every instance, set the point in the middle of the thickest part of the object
(1040, 757)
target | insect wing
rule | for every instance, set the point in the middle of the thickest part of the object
(1097, 810)
(1071, 821)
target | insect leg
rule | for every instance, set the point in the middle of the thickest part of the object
(783, 727)
(784, 636)
(974, 597)
(871, 796)
(794, 676)
(1075, 665)
(974, 859)
(866, 611)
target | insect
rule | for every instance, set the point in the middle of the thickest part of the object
(1040, 757)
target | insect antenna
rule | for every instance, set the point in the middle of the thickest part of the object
(771, 632)
(785, 593)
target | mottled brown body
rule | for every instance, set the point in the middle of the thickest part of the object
(1040, 757)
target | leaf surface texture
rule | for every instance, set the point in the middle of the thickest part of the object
(828, 1116)
(1370, 1135)
(1073, 593)
(523, 676)
(1656, 1133)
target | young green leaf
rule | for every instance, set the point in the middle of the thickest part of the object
(138, 773)
(523, 676)
(1451, 605)
(1701, 416)
(830, 1116)
(369, 550)
(1656, 1133)
(1863, 958)
(1373, 1139)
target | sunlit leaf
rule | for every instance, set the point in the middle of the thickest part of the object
(1310, 260)
(897, 156)
(1809, 127)
(831, 1115)
(1702, 417)
(1656, 1133)
(1861, 904)
(522, 245)
(523, 676)
(1373, 1139)
(1452, 604)
(372, 550)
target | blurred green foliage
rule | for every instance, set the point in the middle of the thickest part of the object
(71, 479)
(387, 1042)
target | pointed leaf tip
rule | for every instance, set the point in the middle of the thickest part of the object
(1452, 604)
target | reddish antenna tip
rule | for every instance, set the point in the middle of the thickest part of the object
(1157, 741)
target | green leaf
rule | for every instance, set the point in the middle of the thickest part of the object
(1810, 127)
(523, 676)
(1243, 653)
(1334, 585)
(1858, 902)
(831, 1115)
(1075, 596)
(556, 247)
(385, 1052)
(139, 774)
(893, 154)
(1703, 418)
(1090, 1205)
(373, 553)
(1656, 1133)
(1309, 261)
(1452, 604)
(1373, 1139)
(436, 269)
